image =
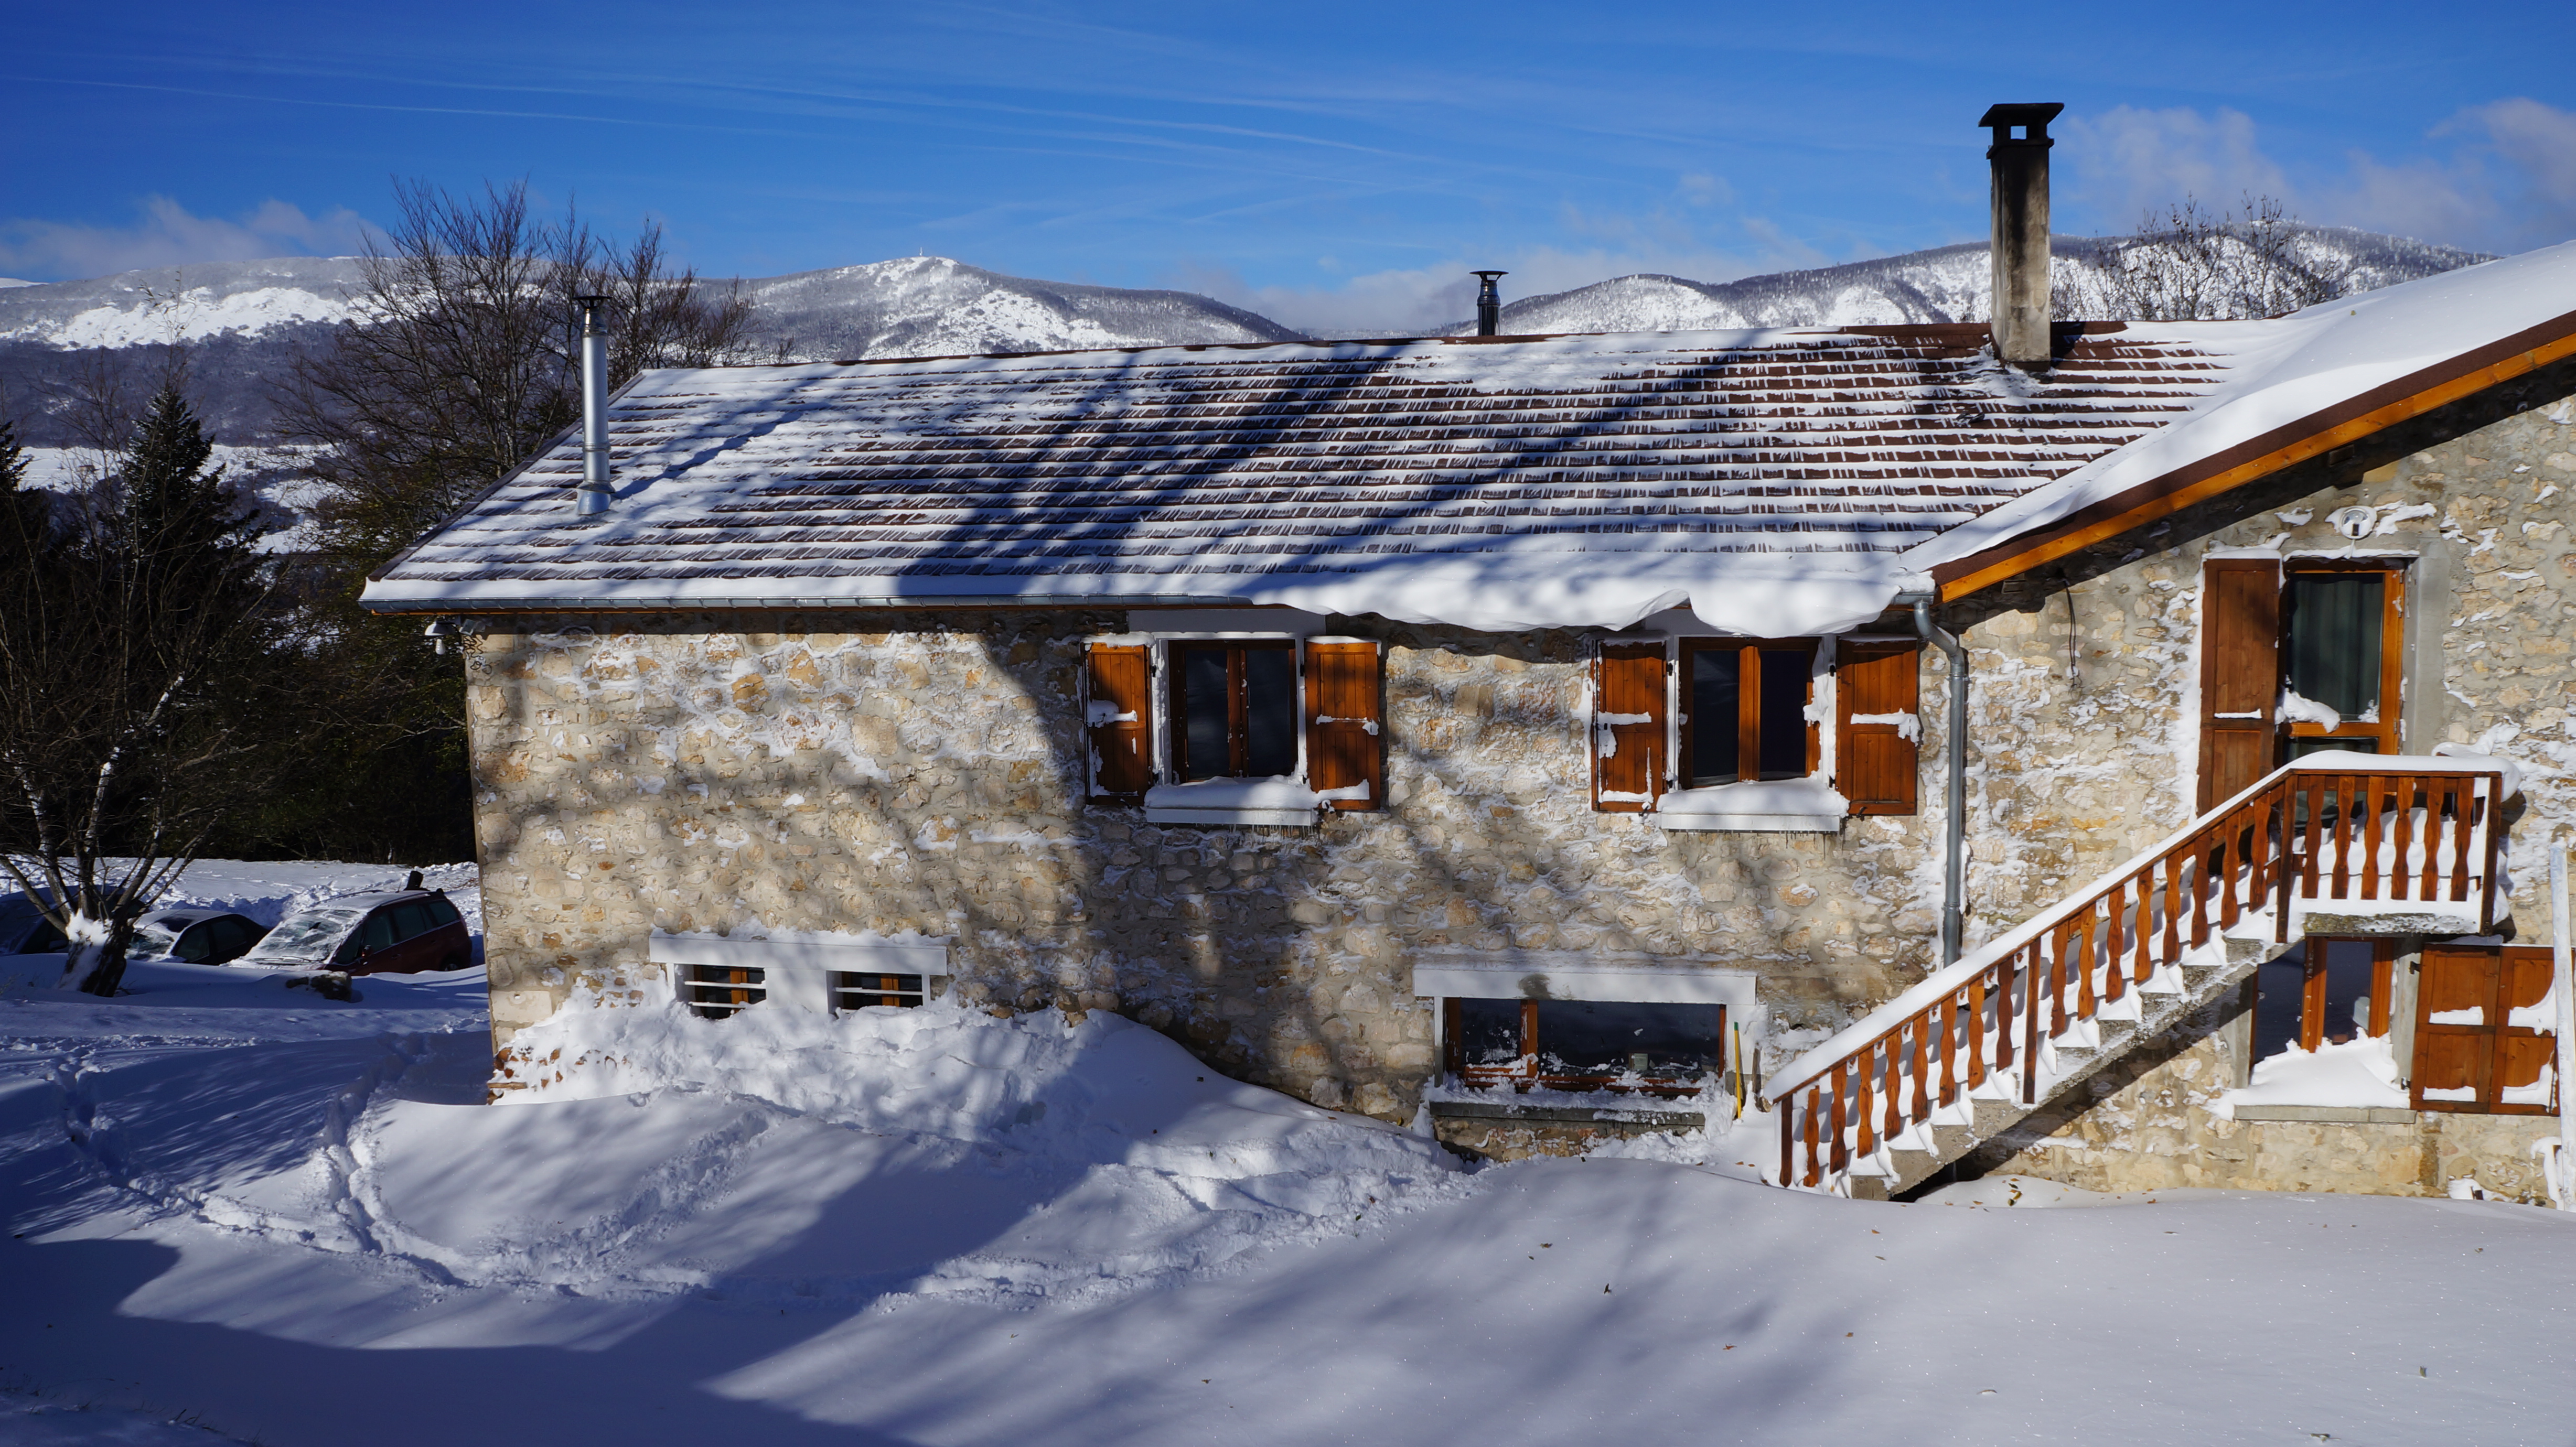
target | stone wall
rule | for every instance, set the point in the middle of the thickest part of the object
(2492, 596)
(921, 772)
(688, 774)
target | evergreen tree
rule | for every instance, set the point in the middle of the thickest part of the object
(147, 688)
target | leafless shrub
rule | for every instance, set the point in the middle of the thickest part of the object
(2194, 264)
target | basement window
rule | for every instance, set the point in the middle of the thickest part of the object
(1583, 1045)
(2322, 992)
(852, 991)
(719, 992)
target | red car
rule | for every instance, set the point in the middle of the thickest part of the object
(370, 934)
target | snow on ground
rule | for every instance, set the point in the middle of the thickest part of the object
(289, 1219)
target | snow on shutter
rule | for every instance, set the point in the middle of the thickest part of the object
(1877, 704)
(2478, 1045)
(1118, 720)
(1630, 726)
(2240, 674)
(1345, 751)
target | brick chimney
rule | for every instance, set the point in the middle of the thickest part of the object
(2019, 158)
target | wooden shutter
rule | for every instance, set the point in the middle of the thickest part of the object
(2523, 1054)
(2485, 1054)
(2240, 674)
(1345, 747)
(1630, 726)
(1118, 712)
(1875, 764)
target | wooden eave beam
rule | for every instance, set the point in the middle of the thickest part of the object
(2374, 411)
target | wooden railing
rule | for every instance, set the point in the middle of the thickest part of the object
(2339, 830)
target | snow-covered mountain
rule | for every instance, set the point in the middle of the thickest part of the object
(246, 321)
(927, 306)
(915, 306)
(1945, 284)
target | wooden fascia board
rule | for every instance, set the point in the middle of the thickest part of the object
(2407, 398)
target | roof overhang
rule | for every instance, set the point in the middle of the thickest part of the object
(2359, 417)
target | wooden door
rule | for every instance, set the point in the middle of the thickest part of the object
(2240, 674)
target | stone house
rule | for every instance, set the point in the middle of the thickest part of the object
(1541, 737)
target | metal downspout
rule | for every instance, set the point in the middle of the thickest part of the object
(1954, 890)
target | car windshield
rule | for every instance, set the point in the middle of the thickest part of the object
(153, 939)
(310, 935)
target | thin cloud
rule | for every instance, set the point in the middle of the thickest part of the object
(2503, 180)
(168, 234)
(1411, 301)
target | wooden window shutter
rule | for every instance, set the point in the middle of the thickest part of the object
(1345, 746)
(1875, 762)
(2471, 1060)
(2240, 674)
(1630, 727)
(1118, 712)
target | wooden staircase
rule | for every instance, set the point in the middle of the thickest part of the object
(2355, 843)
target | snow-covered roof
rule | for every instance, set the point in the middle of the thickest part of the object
(1775, 482)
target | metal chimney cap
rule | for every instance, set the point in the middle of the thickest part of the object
(1489, 275)
(2036, 115)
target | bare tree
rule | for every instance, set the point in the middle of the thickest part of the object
(2194, 264)
(137, 647)
(461, 362)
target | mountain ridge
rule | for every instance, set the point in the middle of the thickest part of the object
(245, 322)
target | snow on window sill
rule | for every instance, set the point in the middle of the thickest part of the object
(2360, 1075)
(1278, 800)
(1777, 806)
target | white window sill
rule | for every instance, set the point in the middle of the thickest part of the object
(1771, 806)
(1749, 823)
(1278, 801)
(1290, 817)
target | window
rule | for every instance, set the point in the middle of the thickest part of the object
(717, 992)
(442, 911)
(2322, 992)
(1746, 715)
(1697, 715)
(1234, 710)
(1232, 729)
(1658, 1049)
(2294, 661)
(853, 991)
(2339, 664)
(2486, 1032)
(411, 919)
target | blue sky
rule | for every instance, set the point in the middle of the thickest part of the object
(1331, 164)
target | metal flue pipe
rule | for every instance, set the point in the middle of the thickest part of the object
(1489, 304)
(594, 493)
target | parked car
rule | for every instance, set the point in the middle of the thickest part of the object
(24, 930)
(370, 934)
(194, 933)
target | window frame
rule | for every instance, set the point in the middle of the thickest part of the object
(1173, 746)
(1523, 1074)
(2312, 991)
(1748, 715)
(2392, 654)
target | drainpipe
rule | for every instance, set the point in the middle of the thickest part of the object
(594, 493)
(1954, 890)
